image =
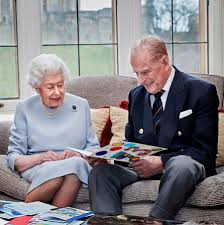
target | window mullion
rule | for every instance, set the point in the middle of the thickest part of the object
(128, 12)
(29, 39)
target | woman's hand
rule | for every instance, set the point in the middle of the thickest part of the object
(68, 154)
(25, 162)
(50, 156)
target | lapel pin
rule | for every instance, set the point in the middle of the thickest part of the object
(141, 131)
(179, 133)
(74, 108)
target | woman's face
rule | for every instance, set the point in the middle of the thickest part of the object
(52, 90)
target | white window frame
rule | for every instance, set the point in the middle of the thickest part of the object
(29, 39)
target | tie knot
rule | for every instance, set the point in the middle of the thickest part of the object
(159, 94)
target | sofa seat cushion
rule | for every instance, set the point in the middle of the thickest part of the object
(11, 183)
(209, 193)
(83, 195)
(141, 191)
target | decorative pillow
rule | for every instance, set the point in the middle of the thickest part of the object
(119, 118)
(220, 155)
(99, 118)
(124, 104)
(106, 134)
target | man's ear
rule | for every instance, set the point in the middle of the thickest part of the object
(165, 60)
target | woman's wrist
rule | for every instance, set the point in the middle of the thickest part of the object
(40, 158)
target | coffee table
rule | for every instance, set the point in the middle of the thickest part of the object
(136, 220)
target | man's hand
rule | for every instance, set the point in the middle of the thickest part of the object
(148, 167)
(95, 161)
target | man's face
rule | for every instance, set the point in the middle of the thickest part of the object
(151, 74)
(52, 90)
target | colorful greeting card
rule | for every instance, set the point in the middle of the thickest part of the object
(123, 151)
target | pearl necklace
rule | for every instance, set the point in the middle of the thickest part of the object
(50, 114)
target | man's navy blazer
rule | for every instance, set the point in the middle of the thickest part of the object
(195, 135)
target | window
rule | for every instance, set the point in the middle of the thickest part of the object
(183, 26)
(8, 51)
(82, 33)
(94, 36)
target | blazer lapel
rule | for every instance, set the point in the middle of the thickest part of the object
(175, 100)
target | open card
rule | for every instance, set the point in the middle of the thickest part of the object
(123, 151)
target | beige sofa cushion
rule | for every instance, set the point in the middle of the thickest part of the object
(99, 119)
(209, 193)
(118, 117)
(11, 183)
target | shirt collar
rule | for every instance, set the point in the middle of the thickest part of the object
(169, 80)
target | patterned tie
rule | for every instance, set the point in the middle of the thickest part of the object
(157, 111)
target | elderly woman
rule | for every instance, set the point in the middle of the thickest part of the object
(44, 125)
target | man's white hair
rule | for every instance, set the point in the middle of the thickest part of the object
(44, 65)
(155, 47)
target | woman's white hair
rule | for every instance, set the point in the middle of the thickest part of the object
(44, 65)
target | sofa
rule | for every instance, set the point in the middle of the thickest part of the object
(104, 94)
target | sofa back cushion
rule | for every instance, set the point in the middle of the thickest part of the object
(218, 81)
(101, 90)
(111, 90)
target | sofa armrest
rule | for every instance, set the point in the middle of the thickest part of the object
(209, 192)
(4, 135)
(220, 169)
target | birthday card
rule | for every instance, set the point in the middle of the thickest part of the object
(123, 151)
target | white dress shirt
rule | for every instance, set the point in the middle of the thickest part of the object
(166, 89)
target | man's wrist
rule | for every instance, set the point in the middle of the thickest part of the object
(162, 169)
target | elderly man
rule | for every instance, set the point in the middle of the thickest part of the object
(169, 109)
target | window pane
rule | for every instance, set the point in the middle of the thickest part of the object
(170, 54)
(96, 60)
(191, 58)
(156, 18)
(8, 71)
(95, 21)
(186, 20)
(67, 53)
(59, 21)
(7, 29)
